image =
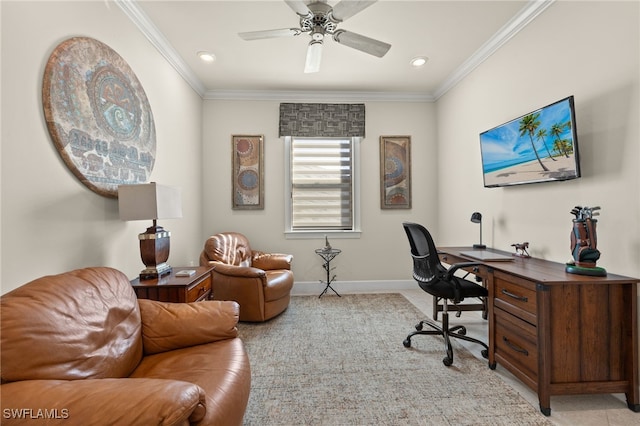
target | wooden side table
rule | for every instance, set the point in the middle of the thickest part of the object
(170, 288)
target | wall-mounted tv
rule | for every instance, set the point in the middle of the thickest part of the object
(540, 146)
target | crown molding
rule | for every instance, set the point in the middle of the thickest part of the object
(504, 34)
(344, 96)
(159, 41)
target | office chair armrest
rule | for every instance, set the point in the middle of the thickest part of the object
(449, 276)
(453, 268)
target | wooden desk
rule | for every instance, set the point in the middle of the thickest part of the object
(560, 333)
(177, 289)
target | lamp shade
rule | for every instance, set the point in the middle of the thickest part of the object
(149, 201)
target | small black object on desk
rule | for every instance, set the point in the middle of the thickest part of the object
(328, 254)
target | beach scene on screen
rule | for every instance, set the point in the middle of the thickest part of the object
(537, 147)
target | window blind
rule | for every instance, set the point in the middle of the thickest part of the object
(322, 184)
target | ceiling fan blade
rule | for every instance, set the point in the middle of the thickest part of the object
(259, 35)
(362, 43)
(298, 7)
(314, 56)
(347, 8)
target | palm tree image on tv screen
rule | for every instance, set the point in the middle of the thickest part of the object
(538, 147)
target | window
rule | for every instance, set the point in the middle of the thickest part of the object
(322, 183)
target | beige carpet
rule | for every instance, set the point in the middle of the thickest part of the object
(340, 361)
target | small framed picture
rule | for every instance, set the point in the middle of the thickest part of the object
(395, 172)
(247, 172)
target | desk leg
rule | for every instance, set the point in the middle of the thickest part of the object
(490, 285)
(544, 348)
(633, 398)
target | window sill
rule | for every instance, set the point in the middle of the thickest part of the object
(312, 235)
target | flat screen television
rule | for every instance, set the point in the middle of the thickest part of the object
(541, 146)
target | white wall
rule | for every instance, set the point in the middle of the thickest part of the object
(586, 49)
(50, 222)
(382, 251)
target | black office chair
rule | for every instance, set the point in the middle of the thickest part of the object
(440, 282)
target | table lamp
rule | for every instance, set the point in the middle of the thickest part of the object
(151, 201)
(476, 217)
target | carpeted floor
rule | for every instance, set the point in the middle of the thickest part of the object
(340, 361)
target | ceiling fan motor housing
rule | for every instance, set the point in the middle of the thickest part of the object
(318, 21)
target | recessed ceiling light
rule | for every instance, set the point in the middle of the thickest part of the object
(206, 56)
(418, 61)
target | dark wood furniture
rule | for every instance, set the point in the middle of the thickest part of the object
(560, 333)
(170, 288)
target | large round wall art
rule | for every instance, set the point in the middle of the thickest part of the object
(98, 116)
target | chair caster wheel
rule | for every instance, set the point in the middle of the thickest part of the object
(419, 326)
(485, 353)
(462, 331)
(447, 361)
(407, 343)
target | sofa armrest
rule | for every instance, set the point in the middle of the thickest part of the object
(238, 271)
(270, 261)
(169, 326)
(102, 401)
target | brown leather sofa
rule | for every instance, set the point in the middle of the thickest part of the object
(79, 348)
(260, 282)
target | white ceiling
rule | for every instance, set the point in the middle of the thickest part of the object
(455, 35)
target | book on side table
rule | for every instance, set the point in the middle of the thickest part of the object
(186, 273)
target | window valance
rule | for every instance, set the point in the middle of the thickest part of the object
(321, 120)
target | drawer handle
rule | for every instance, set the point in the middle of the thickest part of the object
(515, 347)
(515, 296)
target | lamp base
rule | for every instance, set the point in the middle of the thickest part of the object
(155, 271)
(154, 251)
(479, 246)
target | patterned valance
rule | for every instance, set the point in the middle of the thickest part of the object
(322, 120)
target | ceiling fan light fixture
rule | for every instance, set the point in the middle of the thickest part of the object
(206, 56)
(418, 61)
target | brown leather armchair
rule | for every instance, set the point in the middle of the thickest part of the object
(260, 282)
(79, 348)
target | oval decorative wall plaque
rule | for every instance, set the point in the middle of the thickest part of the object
(98, 116)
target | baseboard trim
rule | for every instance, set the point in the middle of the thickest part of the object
(306, 288)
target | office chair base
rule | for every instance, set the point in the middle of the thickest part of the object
(457, 331)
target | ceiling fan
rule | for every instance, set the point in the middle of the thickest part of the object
(319, 19)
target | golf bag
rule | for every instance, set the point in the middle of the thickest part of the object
(584, 242)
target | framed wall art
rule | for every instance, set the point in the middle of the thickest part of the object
(98, 116)
(247, 172)
(395, 172)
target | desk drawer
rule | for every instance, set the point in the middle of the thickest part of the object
(201, 290)
(515, 341)
(514, 292)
